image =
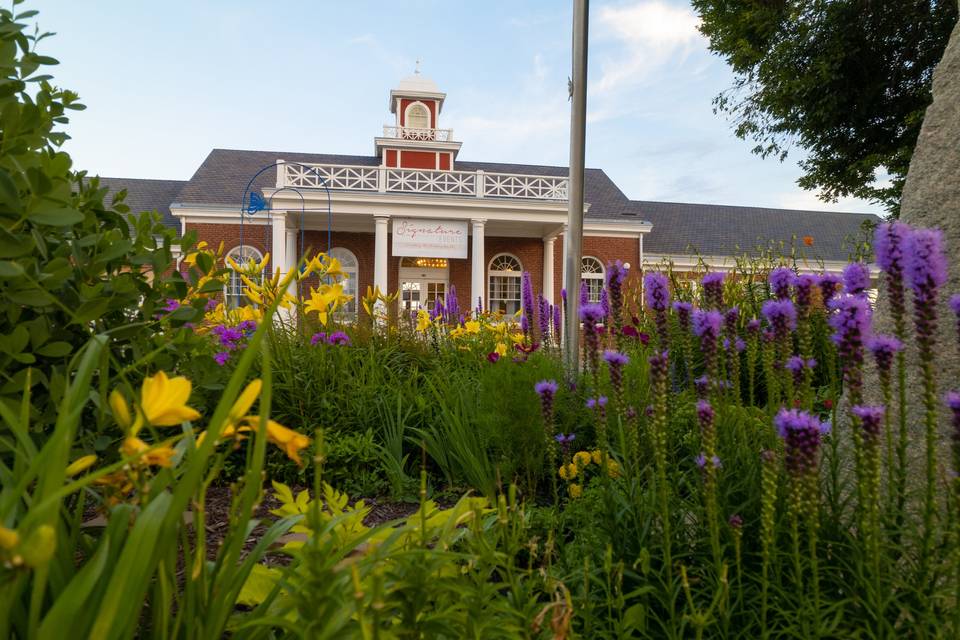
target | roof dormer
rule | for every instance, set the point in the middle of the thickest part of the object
(415, 140)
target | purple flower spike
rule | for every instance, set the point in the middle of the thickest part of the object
(615, 358)
(556, 324)
(701, 461)
(713, 289)
(781, 315)
(546, 388)
(829, 285)
(850, 321)
(804, 285)
(584, 293)
(889, 241)
(707, 324)
(883, 349)
(781, 279)
(339, 338)
(955, 303)
(926, 265)
(591, 313)
(952, 400)
(856, 278)
(753, 326)
(871, 419)
(317, 338)
(801, 433)
(656, 291)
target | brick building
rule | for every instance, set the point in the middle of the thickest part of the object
(414, 217)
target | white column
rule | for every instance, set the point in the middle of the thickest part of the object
(566, 244)
(380, 253)
(478, 268)
(293, 258)
(278, 244)
(548, 268)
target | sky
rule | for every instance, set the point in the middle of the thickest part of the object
(165, 82)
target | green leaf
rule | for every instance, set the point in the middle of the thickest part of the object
(91, 310)
(10, 269)
(56, 217)
(55, 350)
(258, 585)
(9, 196)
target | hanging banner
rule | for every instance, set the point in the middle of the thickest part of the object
(429, 238)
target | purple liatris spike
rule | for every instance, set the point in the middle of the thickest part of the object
(525, 323)
(952, 400)
(851, 324)
(753, 326)
(590, 316)
(616, 274)
(658, 365)
(605, 303)
(547, 390)
(888, 245)
(829, 286)
(702, 460)
(798, 366)
(526, 290)
(684, 311)
(801, 433)
(713, 289)
(453, 306)
(955, 307)
(616, 361)
(926, 265)
(781, 279)
(543, 316)
(338, 338)
(317, 338)
(870, 420)
(883, 349)
(804, 286)
(437, 311)
(705, 417)
(556, 323)
(856, 278)
(730, 318)
(781, 316)
(707, 324)
(656, 291)
(584, 293)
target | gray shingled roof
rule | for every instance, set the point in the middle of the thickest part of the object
(148, 195)
(718, 230)
(678, 228)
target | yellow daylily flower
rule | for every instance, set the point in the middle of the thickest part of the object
(456, 333)
(80, 465)
(121, 411)
(333, 268)
(597, 457)
(423, 320)
(159, 457)
(244, 401)
(472, 327)
(501, 349)
(582, 458)
(517, 338)
(163, 400)
(264, 262)
(290, 442)
(575, 490)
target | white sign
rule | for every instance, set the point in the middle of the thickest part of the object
(429, 238)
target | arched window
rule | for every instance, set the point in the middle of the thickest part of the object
(592, 275)
(504, 284)
(418, 117)
(233, 294)
(348, 263)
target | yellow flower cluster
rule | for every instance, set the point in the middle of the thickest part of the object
(582, 460)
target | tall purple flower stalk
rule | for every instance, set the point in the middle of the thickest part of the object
(526, 298)
(804, 285)
(616, 361)
(868, 421)
(889, 242)
(543, 317)
(955, 307)
(926, 271)
(829, 286)
(706, 326)
(656, 295)
(709, 462)
(452, 312)
(781, 315)
(584, 293)
(557, 324)
(801, 433)
(850, 322)
(684, 311)
(591, 315)
(952, 401)
(547, 390)
(713, 289)
(781, 279)
(616, 275)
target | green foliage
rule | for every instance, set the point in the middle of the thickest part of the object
(847, 81)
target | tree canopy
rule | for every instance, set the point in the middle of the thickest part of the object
(848, 81)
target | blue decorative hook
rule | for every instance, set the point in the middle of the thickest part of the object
(256, 203)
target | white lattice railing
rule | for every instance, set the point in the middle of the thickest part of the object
(417, 133)
(477, 184)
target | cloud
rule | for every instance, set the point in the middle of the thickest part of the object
(651, 33)
(808, 201)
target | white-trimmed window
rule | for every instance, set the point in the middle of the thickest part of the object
(349, 265)
(417, 116)
(233, 293)
(504, 279)
(592, 275)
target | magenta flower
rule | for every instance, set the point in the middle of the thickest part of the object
(222, 357)
(338, 338)
(317, 338)
(781, 279)
(171, 305)
(493, 356)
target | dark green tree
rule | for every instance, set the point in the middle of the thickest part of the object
(848, 81)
